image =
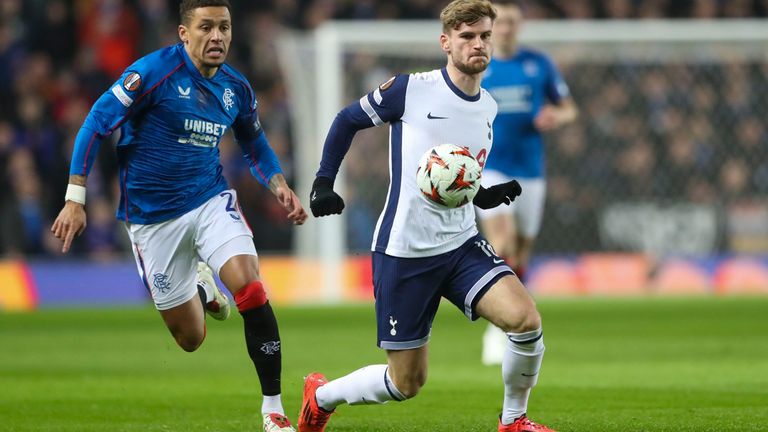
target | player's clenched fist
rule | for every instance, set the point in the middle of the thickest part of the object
(323, 200)
(497, 195)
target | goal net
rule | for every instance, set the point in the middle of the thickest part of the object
(668, 156)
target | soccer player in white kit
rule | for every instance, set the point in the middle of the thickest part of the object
(172, 108)
(422, 251)
(533, 98)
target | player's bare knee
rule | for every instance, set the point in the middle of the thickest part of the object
(521, 321)
(190, 341)
(188, 346)
(532, 322)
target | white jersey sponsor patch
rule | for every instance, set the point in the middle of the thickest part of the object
(122, 96)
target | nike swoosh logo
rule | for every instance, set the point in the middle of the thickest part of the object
(313, 197)
(431, 117)
(497, 261)
(531, 375)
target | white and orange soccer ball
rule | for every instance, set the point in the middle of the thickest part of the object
(449, 175)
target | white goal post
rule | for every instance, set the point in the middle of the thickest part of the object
(316, 75)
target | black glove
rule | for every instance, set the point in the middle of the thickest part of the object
(497, 195)
(323, 200)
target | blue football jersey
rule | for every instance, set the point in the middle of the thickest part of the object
(171, 120)
(521, 85)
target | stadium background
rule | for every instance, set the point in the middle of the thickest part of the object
(659, 186)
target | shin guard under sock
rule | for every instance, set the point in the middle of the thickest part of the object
(261, 336)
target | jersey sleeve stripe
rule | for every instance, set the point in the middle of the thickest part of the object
(151, 89)
(125, 191)
(256, 163)
(368, 108)
(377, 96)
(88, 151)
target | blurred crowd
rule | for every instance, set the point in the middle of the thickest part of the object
(58, 56)
(309, 13)
(678, 132)
(658, 132)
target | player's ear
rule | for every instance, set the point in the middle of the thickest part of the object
(183, 35)
(444, 43)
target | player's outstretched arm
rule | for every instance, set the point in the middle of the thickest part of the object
(121, 101)
(497, 195)
(288, 199)
(383, 105)
(71, 220)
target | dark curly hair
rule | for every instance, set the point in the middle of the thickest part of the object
(187, 6)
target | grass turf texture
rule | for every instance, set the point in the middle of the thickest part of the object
(611, 365)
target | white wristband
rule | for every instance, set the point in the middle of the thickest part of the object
(75, 193)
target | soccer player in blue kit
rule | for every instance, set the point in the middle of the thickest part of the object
(533, 98)
(422, 251)
(172, 108)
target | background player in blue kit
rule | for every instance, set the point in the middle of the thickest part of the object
(172, 107)
(532, 98)
(422, 251)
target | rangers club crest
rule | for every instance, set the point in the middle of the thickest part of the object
(271, 347)
(228, 98)
(161, 282)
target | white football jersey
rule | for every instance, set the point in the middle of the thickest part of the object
(424, 110)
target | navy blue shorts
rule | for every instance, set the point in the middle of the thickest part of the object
(408, 290)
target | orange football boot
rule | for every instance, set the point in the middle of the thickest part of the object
(312, 418)
(523, 424)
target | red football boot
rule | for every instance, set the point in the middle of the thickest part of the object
(523, 424)
(312, 418)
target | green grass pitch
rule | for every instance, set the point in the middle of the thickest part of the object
(611, 365)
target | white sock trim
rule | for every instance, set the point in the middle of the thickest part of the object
(272, 404)
(525, 337)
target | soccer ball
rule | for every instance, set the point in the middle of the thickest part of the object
(448, 175)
